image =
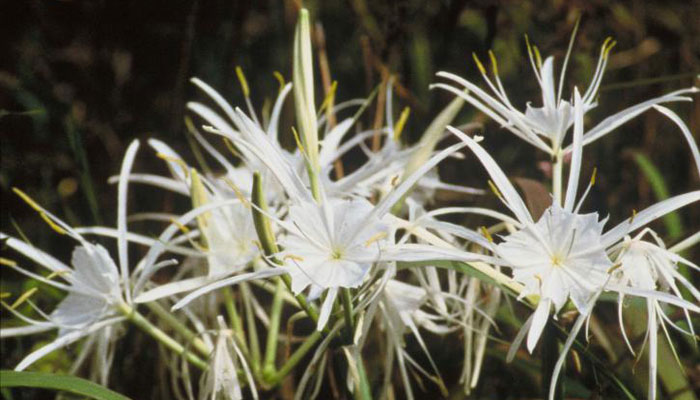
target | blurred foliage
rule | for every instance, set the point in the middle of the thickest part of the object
(80, 79)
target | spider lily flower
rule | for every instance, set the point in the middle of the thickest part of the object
(650, 266)
(220, 381)
(401, 312)
(565, 254)
(97, 289)
(546, 127)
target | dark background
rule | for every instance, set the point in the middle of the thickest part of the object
(80, 79)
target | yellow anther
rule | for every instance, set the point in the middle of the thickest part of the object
(401, 123)
(394, 180)
(377, 237)
(479, 64)
(608, 45)
(577, 360)
(494, 189)
(298, 140)
(41, 212)
(180, 226)
(293, 257)
(529, 47)
(5, 295)
(175, 160)
(595, 171)
(614, 268)
(7, 262)
(243, 81)
(494, 64)
(231, 147)
(486, 234)
(634, 214)
(58, 273)
(21, 299)
(538, 58)
(280, 79)
(330, 98)
(238, 192)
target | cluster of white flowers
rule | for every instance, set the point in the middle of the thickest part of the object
(287, 235)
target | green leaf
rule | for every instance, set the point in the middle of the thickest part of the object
(64, 383)
(672, 221)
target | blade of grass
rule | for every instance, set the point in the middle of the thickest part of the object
(672, 220)
(63, 383)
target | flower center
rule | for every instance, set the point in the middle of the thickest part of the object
(557, 260)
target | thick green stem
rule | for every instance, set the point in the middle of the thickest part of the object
(141, 322)
(273, 331)
(179, 327)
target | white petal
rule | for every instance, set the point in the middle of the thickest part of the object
(326, 308)
(539, 320)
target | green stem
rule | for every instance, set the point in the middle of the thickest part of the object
(141, 322)
(294, 359)
(364, 392)
(236, 323)
(179, 327)
(268, 243)
(346, 299)
(253, 342)
(273, 331)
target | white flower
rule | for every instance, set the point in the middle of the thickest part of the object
(555, 117)
(563, 237)
(334, 244)
(559, 256)
(220, 381)
(97, 289)
(650, 266)
(331, 246)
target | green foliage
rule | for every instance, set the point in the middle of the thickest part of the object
(71, 384)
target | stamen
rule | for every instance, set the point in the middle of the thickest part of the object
(299, 145)
(614, 268)
(595, 171)
(330, 97)
(486, 233)
(7, 262)
(237, 191)
(180, 226)
(21, 299)
(280, 79)
(375, 238)
(175, 160)
(243, 81)
(398, 128)
(495, 190)
(494, 64)
(41, 212)
(293, 258)
(538, 58)
(479, 64)
(231, 147)
(634, 214)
